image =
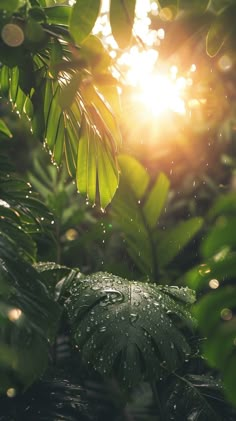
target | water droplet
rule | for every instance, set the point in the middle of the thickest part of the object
(133, 317)
(204, 270)
(102, 329)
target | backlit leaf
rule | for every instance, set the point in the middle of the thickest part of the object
(83, 17)
(156, 200)
(58, 15)
(4, 129)
(122, 16)
(107, 174)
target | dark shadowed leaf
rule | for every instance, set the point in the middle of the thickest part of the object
(192, 397)
(221, 30)
(198, 6)
(29, 319)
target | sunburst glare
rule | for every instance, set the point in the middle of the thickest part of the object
(137, 66)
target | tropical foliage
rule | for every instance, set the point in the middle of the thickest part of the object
(128, 313)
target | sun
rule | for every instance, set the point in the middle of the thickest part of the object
(159, 94)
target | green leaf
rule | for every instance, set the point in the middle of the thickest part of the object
(192, 397)
(108, 177)
(50, 274)
(156, 200)
(220, 237)
(220, 30)
(216, 321)
(174, 240)
(83, 17)
(101, 111)
(94, 53)
(221, 268)
(4, 129)
(225, 205)
(69, 91)
(86, 163)
(199, 6)
(55, 57)
(58, 15)
(134, 174)
(127, 328)
(135, 218)
(9, 6)
(34, 34)
(122, 16)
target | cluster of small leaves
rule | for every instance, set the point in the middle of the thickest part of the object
(216, 278)
(75, 225)
(128, 329)
(136, 209)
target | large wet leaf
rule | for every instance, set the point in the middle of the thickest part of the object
(129, 329)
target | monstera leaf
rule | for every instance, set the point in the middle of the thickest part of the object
(129, 329)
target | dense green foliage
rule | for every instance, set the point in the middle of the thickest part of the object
(97, 318)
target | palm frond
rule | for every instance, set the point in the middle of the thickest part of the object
(136, 208)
